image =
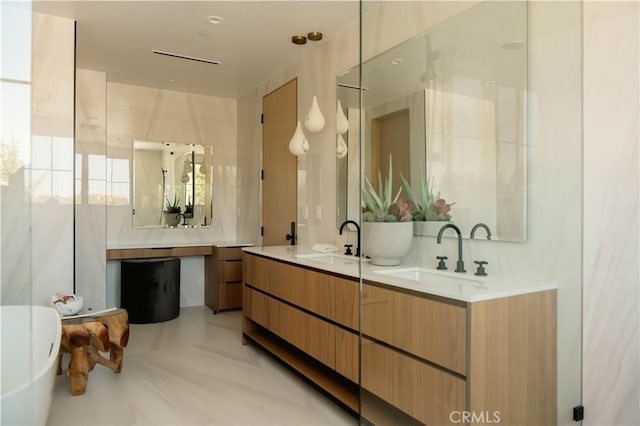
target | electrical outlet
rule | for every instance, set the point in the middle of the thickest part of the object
(318, 212)
(305, 213)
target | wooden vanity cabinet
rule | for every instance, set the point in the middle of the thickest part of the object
(306, 318)
(430, 357)
(223, 279)
(424, 359)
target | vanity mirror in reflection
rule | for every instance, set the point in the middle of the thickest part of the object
(172, 184)
(453, 101)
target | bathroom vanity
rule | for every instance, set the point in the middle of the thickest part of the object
(223, 278)
(432, 348)
(222, 268)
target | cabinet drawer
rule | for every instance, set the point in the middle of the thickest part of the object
(260, 273)
(230, 295)
(420, 390)
(304, 331)
(231, 271)
(347, 354)
(260, 308)
(429, 329)
(347, 302)
(230, 253)
(308, 289)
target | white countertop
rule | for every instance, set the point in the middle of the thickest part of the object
(174, 245)
(231, 244)
(465, 287)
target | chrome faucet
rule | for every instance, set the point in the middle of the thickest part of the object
(480, 225)
(460, 263)
(345, 223)
(184, 218)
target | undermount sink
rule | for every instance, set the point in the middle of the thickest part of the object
(420, 274)
(329, 258)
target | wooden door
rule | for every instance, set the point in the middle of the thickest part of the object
(279, 191)
(390, 135)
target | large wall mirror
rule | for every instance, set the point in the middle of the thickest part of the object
(452, 101)
(172, 185)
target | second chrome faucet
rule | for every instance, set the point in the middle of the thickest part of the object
(460, 262)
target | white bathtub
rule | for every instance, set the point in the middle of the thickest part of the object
(28, 361)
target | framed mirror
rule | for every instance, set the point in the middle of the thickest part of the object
(172, 185)
(452, 102)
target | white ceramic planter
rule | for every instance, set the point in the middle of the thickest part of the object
(171, 219)
(428, 228)
(386, 243)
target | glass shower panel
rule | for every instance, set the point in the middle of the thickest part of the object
(16, 324)
(15, 87)
(480, 326)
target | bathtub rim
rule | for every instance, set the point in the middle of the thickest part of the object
(54, 352)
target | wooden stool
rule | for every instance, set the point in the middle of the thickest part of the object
(85, 337)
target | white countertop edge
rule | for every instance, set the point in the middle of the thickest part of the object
(176, 245)
(288, 254)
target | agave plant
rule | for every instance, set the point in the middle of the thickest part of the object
(430, 206)
(382, 206)
(173, 207)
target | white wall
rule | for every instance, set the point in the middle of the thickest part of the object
(611, 253)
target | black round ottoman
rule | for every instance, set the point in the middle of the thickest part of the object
(150, 289)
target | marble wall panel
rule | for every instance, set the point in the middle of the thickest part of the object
(611, 331)
(91, 187)
(143, 113)
(51, 167)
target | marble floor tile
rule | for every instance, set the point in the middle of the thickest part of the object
(194, 370)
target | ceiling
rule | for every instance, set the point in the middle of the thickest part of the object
(252, 42)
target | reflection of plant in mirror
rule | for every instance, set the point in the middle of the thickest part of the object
(173, 207)
(188, 208)
(430, 206)
(381, 206)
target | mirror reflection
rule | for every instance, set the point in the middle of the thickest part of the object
(171, 185)
(451, 102)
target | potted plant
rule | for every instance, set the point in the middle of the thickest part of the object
(387, 231)
(429, 210)
(172, 211)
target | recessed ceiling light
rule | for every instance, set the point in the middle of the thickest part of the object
(213, 19)
(171, 79)
(396, 61)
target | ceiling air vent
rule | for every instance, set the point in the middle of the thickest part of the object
(191, 58)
